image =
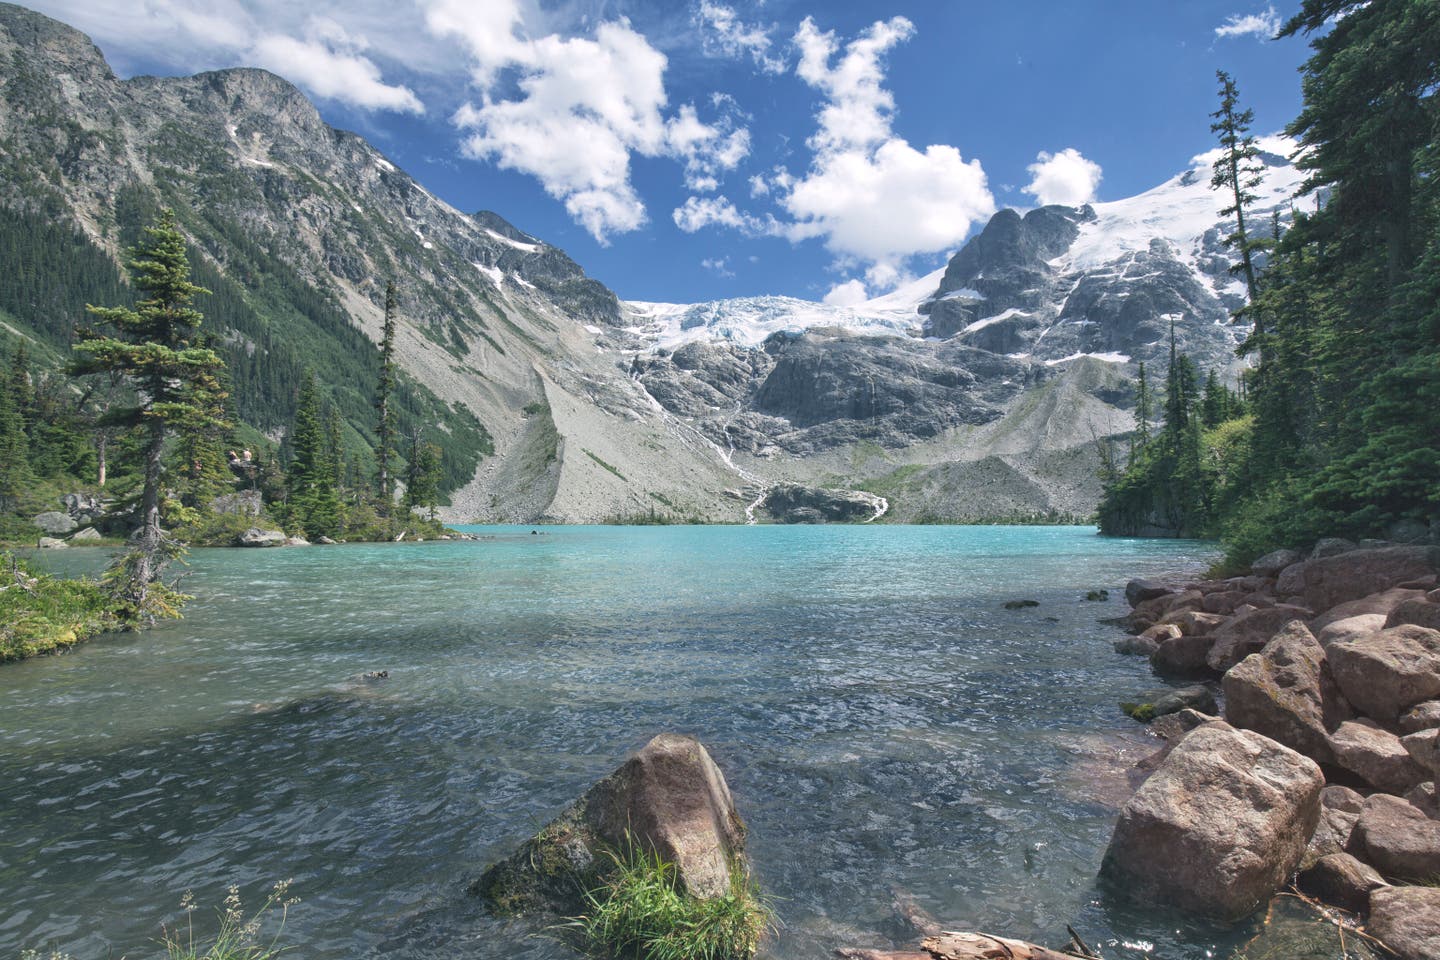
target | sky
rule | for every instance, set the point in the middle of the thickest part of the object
(687, 150)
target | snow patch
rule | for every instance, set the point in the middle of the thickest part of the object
(526, 247)
(493, 273)
(982, 324)
(1106, 357)
(384, 164)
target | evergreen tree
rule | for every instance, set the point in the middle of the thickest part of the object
(384, 389)
(14, 449)
(423, 475)
(313, 501)
(1143, 405)
(174, 379)
(1238, 170)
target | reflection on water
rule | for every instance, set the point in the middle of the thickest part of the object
(881, 720)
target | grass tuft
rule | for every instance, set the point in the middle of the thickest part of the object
(641, 911)
(239, 937)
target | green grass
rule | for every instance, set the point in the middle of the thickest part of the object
(43, 614)
(239, 936)
(641, 911)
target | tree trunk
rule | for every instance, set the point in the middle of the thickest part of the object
(102, 443)
(150, 534)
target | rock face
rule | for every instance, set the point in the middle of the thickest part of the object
(1219, 827)
(1328, 581)
(793, 503)
(669, 797)
(55, 523)
(1407, 920)
(1285, 692)
(1398, 839)
(255, 537)
(242, 503)
(1386, 673)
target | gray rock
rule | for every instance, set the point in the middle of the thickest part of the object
(1423, 797)
(1385, 674)
(1331, 547)
(1418, 612)
(1247, 633)
(81, 536)
(296, 542)
(1219, 828)
(1376, 755)
(1286, 693)
(242, 503)
(1424, 748)
(1339, 810)
(1182, 658)
(1351, 628)
(1141, 646)
(1173, 726)
(55, 523)
(669, 797)
(1422, 716)
(1407, 920)
(50, 543)
(1194, 623)
(1342, 880)
(794, 503)
(1382, 603)
(1271, 564)
(1138, 591)
(1411, 531)
(255, 537)
(1398, 839)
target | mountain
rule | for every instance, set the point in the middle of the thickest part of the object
(980, 391)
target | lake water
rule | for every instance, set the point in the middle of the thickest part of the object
(882, 720)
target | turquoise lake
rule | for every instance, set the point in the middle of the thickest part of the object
(882, 720)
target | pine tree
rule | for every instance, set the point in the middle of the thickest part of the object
(313, 502)
(1238, 169)
(14, 449)
(384, 389)
(175, 381)
(423, 475)
(1143, 411)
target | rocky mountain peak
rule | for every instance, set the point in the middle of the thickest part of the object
(51, 47)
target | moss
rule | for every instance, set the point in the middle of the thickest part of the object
(44, 614)
(1143, 712)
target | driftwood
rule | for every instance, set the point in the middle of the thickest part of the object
(964, 946)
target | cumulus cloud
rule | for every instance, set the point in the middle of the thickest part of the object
(697, 213)
(846, 294)
(584, 106)
(1066, 178)
(724, 34)
(1262, 25)
(329, 63)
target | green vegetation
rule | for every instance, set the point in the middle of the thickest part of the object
(44, 614)
(641, 910)
(239, 936)
(1340, 431)
(605, 465)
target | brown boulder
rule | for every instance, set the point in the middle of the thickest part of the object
(1349, 629)
(1423, 798)
(1328, 581)
(1381, 603)
(1339, 809)
(1407, 920)
(1219, 827)
(1342, 880)
(1285, 692)
(1376, 755)
(1422, 716)
(1386, 673)
(1398, 839)
(1226, 601)
(1182, 657)
(1420, 613)
(1424, 748)
(669, 797)
(1248, 633)
(1192, 623)
(1147, 612)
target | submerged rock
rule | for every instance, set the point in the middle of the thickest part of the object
(1220, 827)
(669, 798)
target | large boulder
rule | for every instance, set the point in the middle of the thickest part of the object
(1330, 547)
(1384, 674)
(1422, 716)
(1418, 612)
(1349, 629)
(1219, 828)
(1248, 633)
(1286, 693)
(1138, 591)
(1329, 581)
(1381, 603)
(1339, 810)
(1342, 880)
(55, 523)
(1376, 756)
(1407, 920)
(1271, 564)
(668, 798)
(1397, 839)
(86, 535)
(1182, 658)
(255, 537)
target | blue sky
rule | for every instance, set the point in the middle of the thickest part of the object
(697, 149)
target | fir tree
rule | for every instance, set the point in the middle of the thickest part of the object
(1238, 170)
(313, 502)
(14, 449)
(174, 380)
(384, 389)
(423, 475)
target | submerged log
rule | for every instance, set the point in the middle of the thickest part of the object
(982, 946)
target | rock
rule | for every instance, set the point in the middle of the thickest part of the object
(1398, 839)
(1330, 547)
(1182, 657)
(1376, 755)
(1419, 613)
(1271, 564)
(1147, 613)
(1423, 797)
(81, 536)
(1173, 726)
(1410, 531)
(1194, 623)
(1020, 604)
(1162, 632)
(1185, 600)
(1422, 716)
(1341, 880)
(242, 503)
(1385, 674)
(1407, 920)
(55, 523)
(325, 540)
(1248, 633)
(1339, 810)
(1349, 629)
(668, 797)
(1330, 581)
(1225, 602)
(1433, 596)
(1096, 596)
(794, 503)
(50, 543)
(1219, 828)
(296, 542)
(255, 537)
(1381, 603)
(82, 507)
(1164, 702)
(1142, 645)
(1424, 748)
(1138, 591)
(1285, 692)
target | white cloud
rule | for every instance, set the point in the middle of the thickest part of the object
(724, 34)
(1263, 25)
(1066, 178)
(858, 108)
(846, 294)
(700, 212)
(328, 64)
(719, 266)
